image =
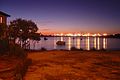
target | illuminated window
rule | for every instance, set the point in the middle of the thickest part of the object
(1, 19)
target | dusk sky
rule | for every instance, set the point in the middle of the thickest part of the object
(67, 16)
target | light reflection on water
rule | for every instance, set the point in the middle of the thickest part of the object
(95, 42)
(104, 43)
(78, 43)
(69, 43)
(98, 43)
(85, 43)
(88, 43)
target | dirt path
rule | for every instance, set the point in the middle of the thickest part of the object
(74, 65)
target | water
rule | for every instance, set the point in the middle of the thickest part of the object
(85, 43)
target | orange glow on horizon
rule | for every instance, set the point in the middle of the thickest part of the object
(72, 34)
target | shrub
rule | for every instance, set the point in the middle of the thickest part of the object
(16, 50)
(93, 49)
(73, 48)
(102, 49)
(76, 49)
(81, 49)
(43, 49)
(4, 46)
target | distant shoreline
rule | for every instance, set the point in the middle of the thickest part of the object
(70, 50)
(84, 36)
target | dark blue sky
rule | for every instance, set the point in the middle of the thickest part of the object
(63, 16)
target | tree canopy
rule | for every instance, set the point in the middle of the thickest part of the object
(24, 30)
(21, 28)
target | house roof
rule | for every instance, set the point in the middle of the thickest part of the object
(4, 14)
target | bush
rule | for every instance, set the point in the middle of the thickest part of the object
(43, 49)
(16, 50)
(76, 49)
(102, 49)
(81, 49)
(73, 49)
(4, 46)
(93, 49)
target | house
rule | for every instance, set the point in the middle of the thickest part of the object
(3, 17)
(3, 24)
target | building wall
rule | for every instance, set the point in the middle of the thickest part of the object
(3, 19)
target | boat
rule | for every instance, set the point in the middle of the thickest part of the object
(60, 43)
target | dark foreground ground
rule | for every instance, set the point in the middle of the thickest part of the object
(12, 67)
(74, 65)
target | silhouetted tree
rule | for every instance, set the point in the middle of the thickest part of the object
(35, 37)
(22, 29)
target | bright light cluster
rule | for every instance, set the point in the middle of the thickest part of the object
(78, 34)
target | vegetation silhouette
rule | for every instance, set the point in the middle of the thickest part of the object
(117, 35)
(24, 30)
(4, 42)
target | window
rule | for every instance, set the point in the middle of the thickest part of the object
(1, 19)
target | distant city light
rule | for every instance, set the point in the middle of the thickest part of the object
(105, 34)
(79, 34)
(98, 34)
(94, 35)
